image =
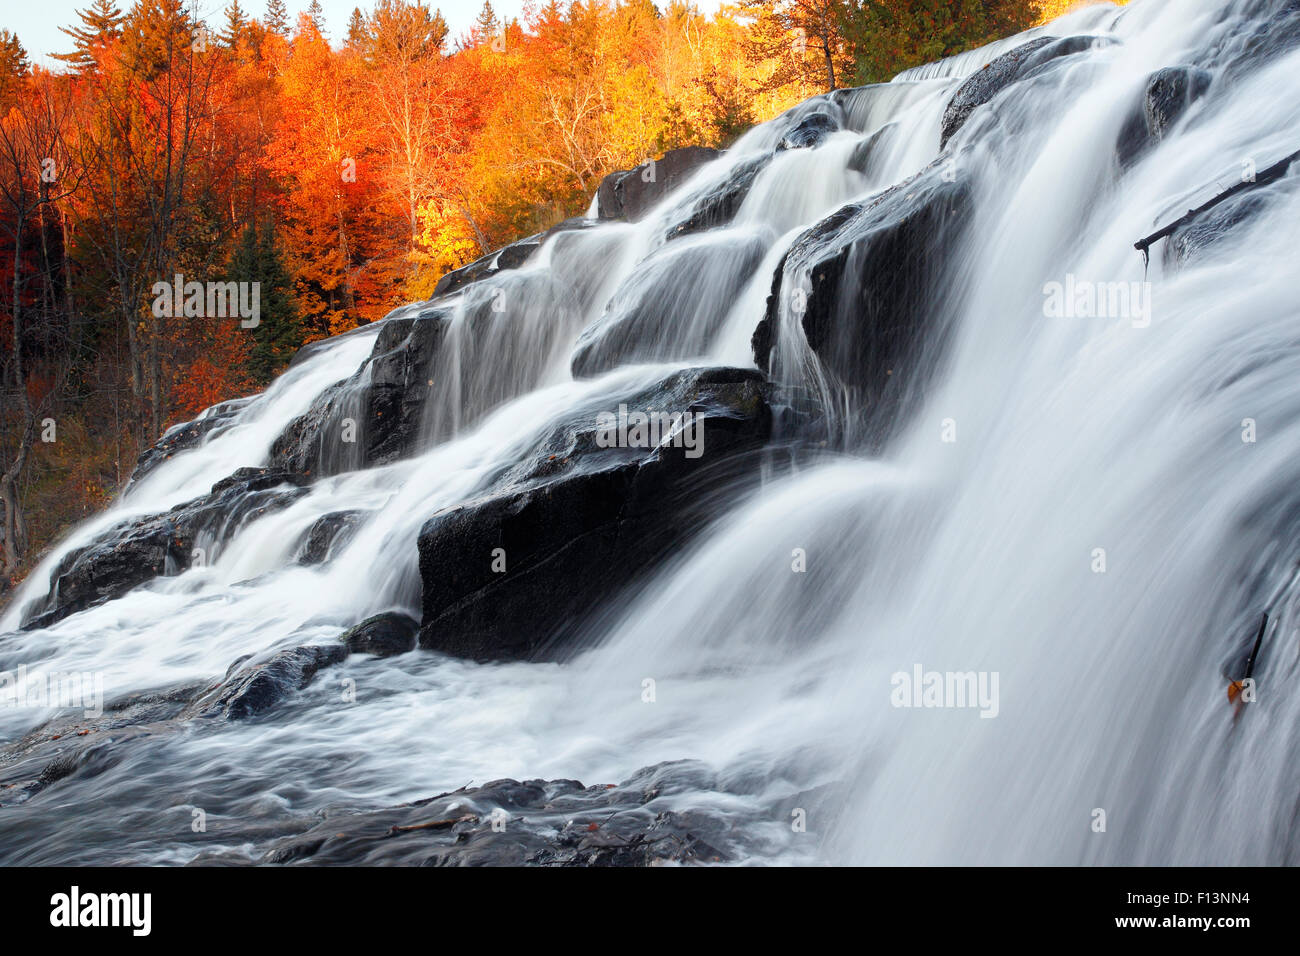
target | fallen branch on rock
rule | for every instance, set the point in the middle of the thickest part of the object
(1269, 175)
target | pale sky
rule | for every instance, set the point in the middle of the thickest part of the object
(37, 23)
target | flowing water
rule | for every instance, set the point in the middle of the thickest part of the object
(973, 542)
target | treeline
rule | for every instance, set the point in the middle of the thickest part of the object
(344, 175)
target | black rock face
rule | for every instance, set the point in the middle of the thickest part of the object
(137, 551)
(1167, 96)
(629, 194)
(186, 436)
(986, 84)
(515, 573)
(864, 280)
(383, 635)
(372, 418)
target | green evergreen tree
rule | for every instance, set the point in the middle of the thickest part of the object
(101, 23)
(14, 67)
(279, 333)
(277, 17)
(154, 32)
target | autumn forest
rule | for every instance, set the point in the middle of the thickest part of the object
(343, 174)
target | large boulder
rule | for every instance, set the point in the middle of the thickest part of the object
(864, 284)
(629, 194)
(981, 87)
(372, 418)
(1166, 97)
(136, 551)
(516, 572)
(671, 306)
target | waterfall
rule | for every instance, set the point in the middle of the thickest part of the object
(1089, 507)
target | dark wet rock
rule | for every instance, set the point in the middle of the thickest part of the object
(372, 418)
(188, 435)
(327, 534)
(138, 550)
(670, 307)
(257, 687)
(1166, 98)
(809, 132)
(78, 739)
(868, 155)
(1054, 51)
(531, 823)
(1195, 240)
(629, 194)
(383, 635)
(576, 523)
(508, 257)
(719, 205)
(866, 278)
(981, 87)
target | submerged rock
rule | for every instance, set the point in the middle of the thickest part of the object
(256, 688)
(536, 823)
(515, 573)
(809, 132)
(327, 534)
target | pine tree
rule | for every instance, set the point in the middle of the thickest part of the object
(277, 17)
(236, 21)
(14, 67)
(279, 333)
(101, 24)
(357, 33)
(486, 24)
(154, 32)
(316, 14)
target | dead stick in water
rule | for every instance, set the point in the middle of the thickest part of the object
(1236, 687)
(1272, 174)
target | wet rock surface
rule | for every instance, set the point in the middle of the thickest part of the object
(531, 823)
(580, 523)
(372, 418)
(629, 194)
(1166, 98)
(981, 87)
(862, 282)
(188, 435)
(140, 549)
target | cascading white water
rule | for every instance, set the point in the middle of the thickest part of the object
(974, 554)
